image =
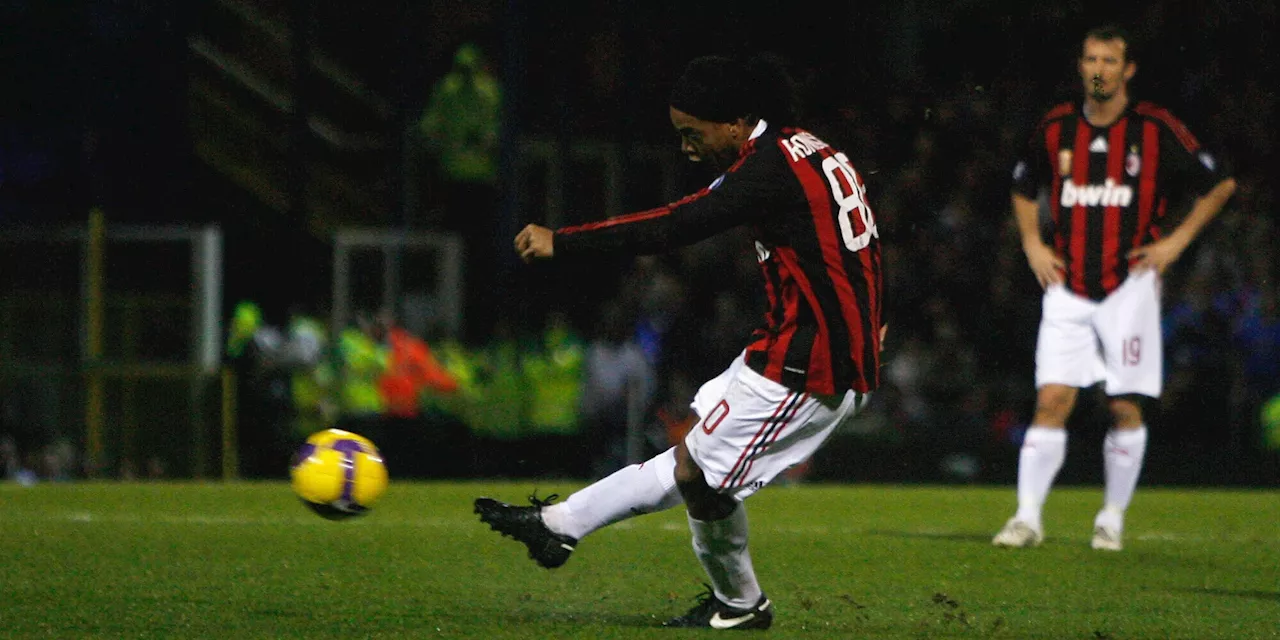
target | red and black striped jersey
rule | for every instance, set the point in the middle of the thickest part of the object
(817, 245)
(1109, 187)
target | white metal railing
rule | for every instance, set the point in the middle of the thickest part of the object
(206, 273)
(446, 250)
(205, 348)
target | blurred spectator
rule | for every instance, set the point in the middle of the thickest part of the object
(553, 373)
(500, 409)
(402, 372)
(311, 379)
(286, 385)
(459, 134)
(656, 294)
(361, 362)
(459, 131)
(1256, 337)
(257, 351)
(907, 374)
(12, 464)
(412, 370)
(618, 382)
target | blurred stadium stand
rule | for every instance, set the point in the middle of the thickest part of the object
(282, 124)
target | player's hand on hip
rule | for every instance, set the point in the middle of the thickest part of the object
(535, 242)
(1045, 263)
(1158, 255)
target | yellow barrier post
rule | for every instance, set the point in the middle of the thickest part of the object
(95, 258)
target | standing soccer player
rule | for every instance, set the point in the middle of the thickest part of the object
(810, 364)
(1110, 166)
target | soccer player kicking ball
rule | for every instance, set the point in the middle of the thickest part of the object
(810, 364)
(1110, 166)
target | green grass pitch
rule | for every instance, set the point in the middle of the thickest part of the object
(246, 560)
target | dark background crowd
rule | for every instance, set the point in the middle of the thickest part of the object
(931, 101)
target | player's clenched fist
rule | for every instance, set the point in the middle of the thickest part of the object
(535, 242)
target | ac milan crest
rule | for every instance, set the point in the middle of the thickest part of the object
(1132, 165)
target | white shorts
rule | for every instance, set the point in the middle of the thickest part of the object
(751, 428)
(1116, 341)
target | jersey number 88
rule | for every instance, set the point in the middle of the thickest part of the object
(850, 193)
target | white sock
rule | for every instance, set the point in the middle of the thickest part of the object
(1043, 449)
(721, 547)
(631, 491)
(1122, 453)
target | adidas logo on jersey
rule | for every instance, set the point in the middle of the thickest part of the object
(1108, 194)
(1099, 145)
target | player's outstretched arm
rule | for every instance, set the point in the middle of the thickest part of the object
(754, 187)
(1160, 254)
(1045, 263)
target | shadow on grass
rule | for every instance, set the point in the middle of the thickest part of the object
(934, 535)
(1254, 594)
(602, 618)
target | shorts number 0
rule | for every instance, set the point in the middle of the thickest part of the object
(715, 417)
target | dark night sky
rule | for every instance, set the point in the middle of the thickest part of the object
(121, 62)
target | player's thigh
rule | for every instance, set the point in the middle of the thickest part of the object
(1067, 345)
(760, 429)
(1128, 325)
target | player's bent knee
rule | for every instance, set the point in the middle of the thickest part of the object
(1054, 404)
(686, 469)
(1127, 410)
(703, 502)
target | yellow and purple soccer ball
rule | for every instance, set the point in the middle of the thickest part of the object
(338, 474)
